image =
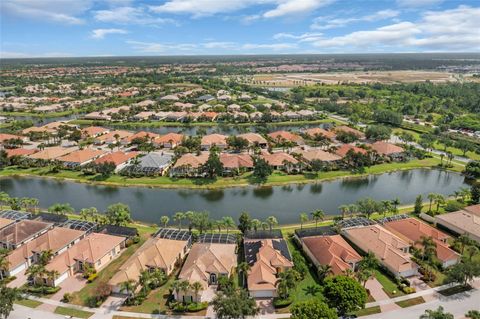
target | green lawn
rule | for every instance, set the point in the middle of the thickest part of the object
(81, 297)
(28, 303)
(411, 302)
(389, 286)
(73, 312)
(368, 311)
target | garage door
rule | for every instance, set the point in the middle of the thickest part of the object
(19, 269)
(61, 278)
(263, 294)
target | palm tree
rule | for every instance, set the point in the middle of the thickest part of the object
(178, 217)
(264, 225)
(431, 197)
(395, 203)
(303, 219)
(439, 200)
(471, 251)
(369, 261)
(144, 280)
(352, 209)
(429, 248)
(285, 281)
(386, 206)
(463, 240)
(228, 223)
(243, 267)
(363, 275)
(184, 286)
(197, 287)
(164, 221)
(189, 216)
(4, 263)
(324, 271)
(272, 222)
(256, 224)
(441, 158)
(344, 209)
(318, 215)
(4, 198)
(128, 287)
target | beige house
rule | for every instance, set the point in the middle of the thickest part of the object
(205, 263)
(18, 234)
(465, 221)
(155, 253)
(391, 250)
(95, 250)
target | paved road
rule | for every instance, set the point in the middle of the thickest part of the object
(21, 312)
(458, 305)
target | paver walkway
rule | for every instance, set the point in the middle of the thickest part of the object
(377, 292)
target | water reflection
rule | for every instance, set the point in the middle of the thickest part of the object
(316, 188)
(263, 192)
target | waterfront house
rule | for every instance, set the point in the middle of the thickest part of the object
(282, 161)
(281, 137)
(169, 140)
(51, 153)
(464, 221)
(218, 140)
(344, 148)
(112, 137)
(20, 233)
(329, 160)
(346, 129)
(155, 163)
(94, 131)
(119, 158)
(388, 150)
(139, 136)
(312, 132)
(254, 139)
(80, 157)
(189, 165)
(235, 163)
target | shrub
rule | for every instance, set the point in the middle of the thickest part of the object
(42, 290)
(66, 297)
(197, 306)
(408, 290)
(282, 303)
(453, 206)
(94, 302)
(179, 307)
(92, 277)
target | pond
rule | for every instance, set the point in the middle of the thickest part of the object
(284, 202)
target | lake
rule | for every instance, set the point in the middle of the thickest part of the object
(284, 202)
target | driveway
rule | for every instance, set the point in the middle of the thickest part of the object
(418, 284)
(19, 281)
(377, 292)
(265, 306)
(69, 285)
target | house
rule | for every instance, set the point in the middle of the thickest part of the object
(206, 263)
(254, 139)
(189, 165)
(235, 163)
(112, 137)
(20, 152)
(51, 153)
(412, 230)
(282, 161)
(330, 250)
(20, 233)
(346, 129)
(465, 221)
(206, 98)
(389, 150)
(281, 137)
(119, 158)
(169, 140)
(97, 116)
(210, 140)
(80, 157)
(4, 222)
(142, 135)
(56, 240)
(326, 158)
(95, 250)
(94, 131)
(143, 116)
(155, 163)
(312, 132)
(390, 250)
(344, 148)
(233, 108)
(208, 116)
(155, 253)
(267, 257)
(4, 137)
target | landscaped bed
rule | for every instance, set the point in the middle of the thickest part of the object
(73, 312)
(455, 290)
(28, 303)
(389, 286)
(368, 311)
(410, 302)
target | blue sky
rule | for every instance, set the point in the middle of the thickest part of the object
(41, 28)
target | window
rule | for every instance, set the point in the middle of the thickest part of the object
(99, 262)
(113, 252)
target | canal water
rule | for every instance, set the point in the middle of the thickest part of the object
(284, 202)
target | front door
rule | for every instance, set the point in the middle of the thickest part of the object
(213, 279)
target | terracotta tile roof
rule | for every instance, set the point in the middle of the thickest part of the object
(117, 158)
(20, 152)
(54, 240)
(81, 156)
(467, 219)
(22, 230)
(94, 130)
(386, 246)
(262, 274)
(110, 137)
(155, 253)
(253, 138)
(50, 153)
(5, 222)
(320, 131)
(277, 159)
(384, 148)
(343, 150)
(90, 249)
(236, 160)
(217, 139)
(412, 230)
(191, 160)
(167, 138)
(284, 135)
(35, 129)
(333, 251)
(204, 259)
(141, 134)
(316, 154)
(5, 137)
(347, 129)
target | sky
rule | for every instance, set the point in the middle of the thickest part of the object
(62, 28)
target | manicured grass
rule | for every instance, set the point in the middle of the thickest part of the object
(73, 312)
(28, 303)
(368, 311)
(389, 286)
(411, 302)
(277, 178)
(81, 297)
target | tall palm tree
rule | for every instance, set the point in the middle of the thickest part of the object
(256, 224)
(164, 221)
(344, 209)
(318, 215)
(369, 261)
(228, 223)
(352, 209)
(471, 251)
(395, 202)
(178, 217)
(184, 287)
(324, 271)
(303, 219)
(463, 240)
(4, 263)
(197, 287)
(363, 275)
(243, 267)
(189, 217)
(272, 222)
(429, 248)
(431, 197)
(128, 287)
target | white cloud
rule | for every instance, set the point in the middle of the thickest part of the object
(269, 46)
(324, 23)
(199, 8)
(418, 3)
(305, 37)
(219, 45)
(61, 11)
(449, 30)
(129, 15)
(23, 55)
(161, 48)
(101, 33)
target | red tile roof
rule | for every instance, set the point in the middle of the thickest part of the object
(343, 150)
(384, 148)
(116, 157)
(20, 152)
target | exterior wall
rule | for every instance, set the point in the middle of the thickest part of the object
(102, 262)
(18, 269)
(263, 293)
(449, 263)
(456, 229)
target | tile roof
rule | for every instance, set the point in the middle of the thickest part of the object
(204, 259)
(141, 134)
(344, 148)
(384, 148)
(4, 222)
(333, 251)
(20, 152)
(253, 138)
(217, 139)
(5, 137)
(90, 249)
(347, 129)
(277, 159)
(230, 161)
(320, 131)
(284, 135)
(169, 137)
(117, 158)
(316, 154)
(110, 136)
(22, 230)
(194, 161)
(94, 130)
(155, 253)
(81, 156)
(50, 153)
(467, 219)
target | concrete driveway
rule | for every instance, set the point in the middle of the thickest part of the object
(20, 279)
(69, 285)
(377, 292)
(265, 306)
